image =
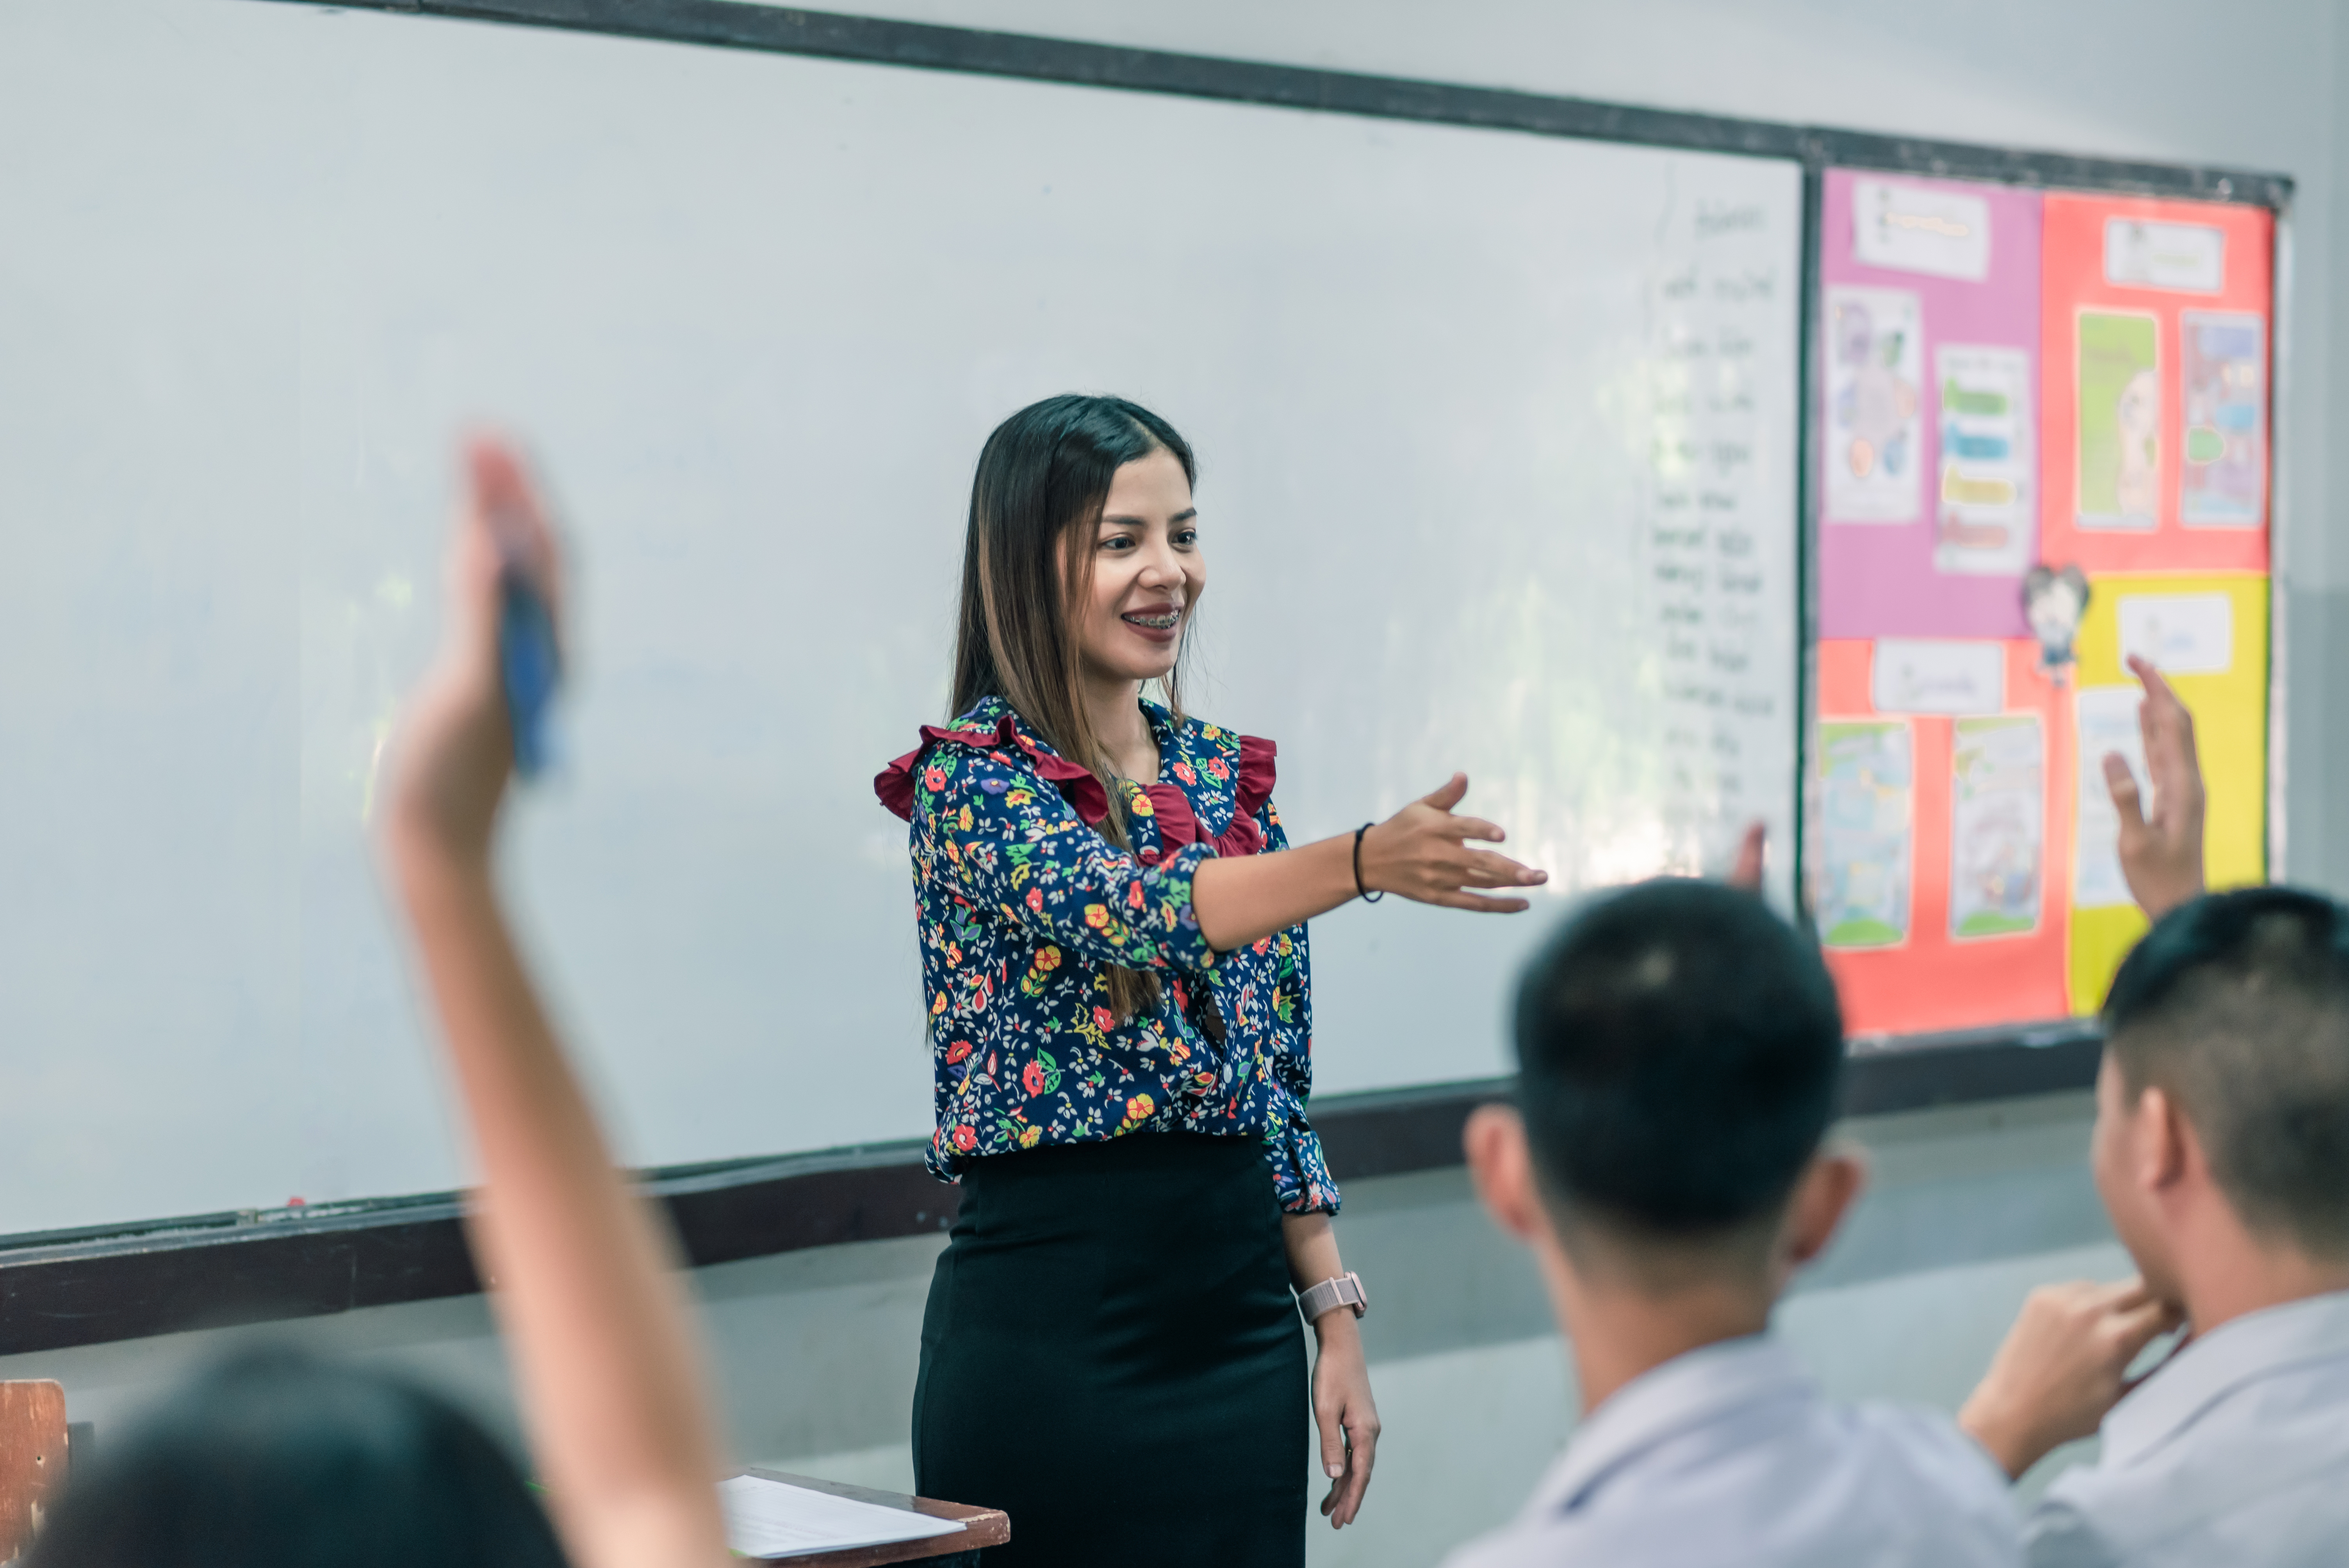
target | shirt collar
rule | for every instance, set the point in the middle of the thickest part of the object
(1686, 1392)
(2239, 1351)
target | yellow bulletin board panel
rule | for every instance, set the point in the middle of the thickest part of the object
(2210, 636)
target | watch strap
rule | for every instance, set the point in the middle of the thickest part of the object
(1331, 1294)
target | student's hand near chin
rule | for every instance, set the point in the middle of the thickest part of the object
(2161, 854)
(2065, 1364)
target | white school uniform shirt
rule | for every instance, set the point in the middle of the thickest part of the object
(2236, 1453)
(1731, 1455)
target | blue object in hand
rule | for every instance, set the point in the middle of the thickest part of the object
(533, 669)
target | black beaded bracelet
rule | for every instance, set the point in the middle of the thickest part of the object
(1365, 894)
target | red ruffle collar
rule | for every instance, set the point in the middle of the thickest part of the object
(1177, 824)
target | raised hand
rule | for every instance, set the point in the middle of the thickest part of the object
(455, 746)
(611, 1385)
(2065, 1364)
(1746, 873)
(1424, 852)
(2160, 851)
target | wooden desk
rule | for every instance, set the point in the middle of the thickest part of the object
(980, 1526)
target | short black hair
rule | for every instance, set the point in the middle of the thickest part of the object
(2237, 1004)
(1678, 1054)
(276, 1460)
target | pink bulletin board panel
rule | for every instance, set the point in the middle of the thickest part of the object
(1953, 963)
(2156, 385)
(1927, 542)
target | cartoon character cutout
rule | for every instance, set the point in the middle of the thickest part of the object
(2052, 602)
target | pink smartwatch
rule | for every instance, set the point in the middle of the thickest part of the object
(1331, 1294)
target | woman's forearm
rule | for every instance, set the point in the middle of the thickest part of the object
(1237, 901)
(1311, 1243)
(1422, 851)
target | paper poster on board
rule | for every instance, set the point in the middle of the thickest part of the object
(2222, 471)
(2179, 633)
(1940, 229)
(2154, 431)
(2118, 390)
(1866, 825)
(1875, 405)
(2190, 258)
(1997, 825)
(1986, 519)
(2107, 724)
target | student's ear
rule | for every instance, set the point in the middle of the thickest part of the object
(1822, 1197)
(2167, 1150)
(1502, 1166)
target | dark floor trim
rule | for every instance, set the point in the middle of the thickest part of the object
(775, 29)
(60, 1289)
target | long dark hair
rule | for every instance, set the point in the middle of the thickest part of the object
(1043, 478)
(274, 1461)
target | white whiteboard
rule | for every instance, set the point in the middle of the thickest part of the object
(1497, 437)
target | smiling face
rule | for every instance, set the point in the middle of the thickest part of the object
(1147, 574)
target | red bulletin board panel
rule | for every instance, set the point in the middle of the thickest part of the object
(1931, 979)
(2142, 317)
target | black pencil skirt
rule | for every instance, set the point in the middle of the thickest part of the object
(1112, 1356)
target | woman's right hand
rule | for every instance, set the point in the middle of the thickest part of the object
(1424, 852)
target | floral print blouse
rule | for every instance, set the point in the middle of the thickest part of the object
(1021, 901)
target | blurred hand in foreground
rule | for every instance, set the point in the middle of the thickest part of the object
(2161, 849)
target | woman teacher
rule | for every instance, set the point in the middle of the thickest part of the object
(1114, 951)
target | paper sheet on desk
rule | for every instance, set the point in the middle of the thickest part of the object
(771, 1518)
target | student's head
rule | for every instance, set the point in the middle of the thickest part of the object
(2225, 1086)
(273, 1461)
(1082, 564)
(1678, 1054)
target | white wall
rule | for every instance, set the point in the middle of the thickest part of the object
(2248, 84)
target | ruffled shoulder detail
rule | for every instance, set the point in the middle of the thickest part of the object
(1252, 781)
(897, 784)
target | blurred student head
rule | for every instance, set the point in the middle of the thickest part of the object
(274, 1461)
(1679, 1053)
(2224, 1096)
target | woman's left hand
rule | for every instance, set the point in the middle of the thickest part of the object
(1345, 1414)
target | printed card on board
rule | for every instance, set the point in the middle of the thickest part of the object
(1936, 230)
(2181, 633)
(2222, 476)
(2119, 420)
(1997, 826)
(1875, 405)
(1865, 820)
(2190, 258)
(1935, 675)
(1986, 521)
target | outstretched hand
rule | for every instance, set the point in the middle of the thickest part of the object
(1424, 852)
(2161, 849)
(456, 746)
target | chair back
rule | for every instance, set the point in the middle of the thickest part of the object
(32, 1458)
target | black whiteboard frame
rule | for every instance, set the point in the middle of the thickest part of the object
(99, 1285)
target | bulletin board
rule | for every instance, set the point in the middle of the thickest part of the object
(2009, 380)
